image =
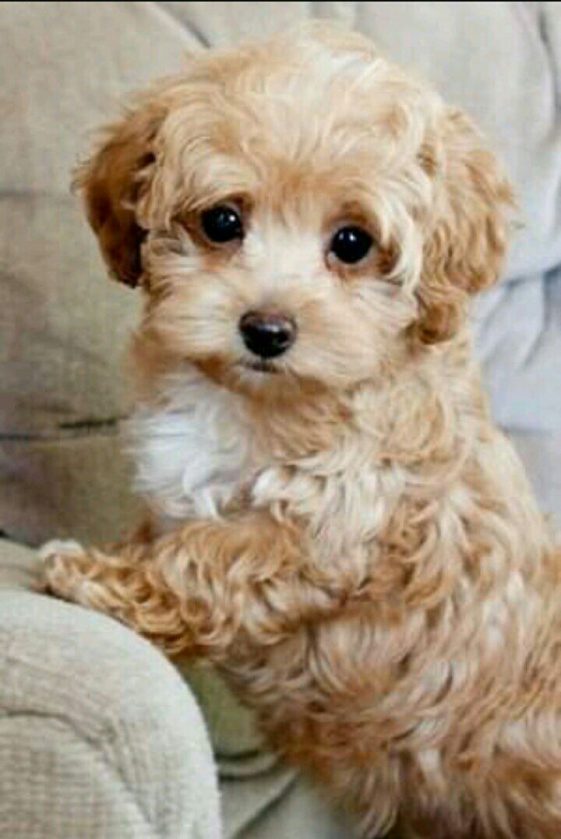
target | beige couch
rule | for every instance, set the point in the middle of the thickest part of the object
(99, 735)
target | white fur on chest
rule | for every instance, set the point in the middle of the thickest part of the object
(192, 453)
(195, 451)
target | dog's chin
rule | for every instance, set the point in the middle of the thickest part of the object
(260, 365)
(261, 379)
(247, 375)
(259, 376)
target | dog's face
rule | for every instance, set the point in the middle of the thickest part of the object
(298, 212)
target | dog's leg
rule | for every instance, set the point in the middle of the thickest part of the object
(198, 588)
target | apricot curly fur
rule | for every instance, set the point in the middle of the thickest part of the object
(346, 535)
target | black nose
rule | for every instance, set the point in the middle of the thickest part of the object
(267, 334)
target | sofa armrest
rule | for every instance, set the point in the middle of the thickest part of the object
(99, 735)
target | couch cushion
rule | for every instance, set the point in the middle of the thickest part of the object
(63, 325)
(99, 736)
(518, 335)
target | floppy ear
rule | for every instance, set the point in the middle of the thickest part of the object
(466, 237)
(112, 182)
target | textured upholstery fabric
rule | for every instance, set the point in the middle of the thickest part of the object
(99, 736)
(63, 327)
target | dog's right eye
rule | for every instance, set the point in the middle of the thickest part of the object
(222, 224)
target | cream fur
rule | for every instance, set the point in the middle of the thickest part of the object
(346, 536)
(191, 451)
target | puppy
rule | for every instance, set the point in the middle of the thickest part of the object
(334, 521)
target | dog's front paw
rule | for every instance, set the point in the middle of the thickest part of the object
(65, 566)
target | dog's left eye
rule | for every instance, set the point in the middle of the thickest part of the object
(222, 224)
(351, 244)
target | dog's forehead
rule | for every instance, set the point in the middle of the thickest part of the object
(249, 121)
(300, 92)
